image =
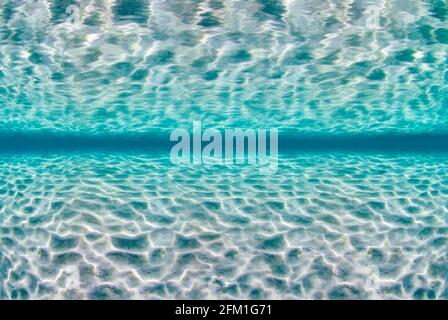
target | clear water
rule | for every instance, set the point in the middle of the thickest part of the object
(357, 209)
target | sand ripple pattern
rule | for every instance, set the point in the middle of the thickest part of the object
(137, 227)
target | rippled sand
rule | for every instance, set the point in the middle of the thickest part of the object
(325, 226)
(136, 226)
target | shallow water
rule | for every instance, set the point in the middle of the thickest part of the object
(312, 66)
(357, 208)
(136, 226)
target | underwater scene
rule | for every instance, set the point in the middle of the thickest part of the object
(345, 100)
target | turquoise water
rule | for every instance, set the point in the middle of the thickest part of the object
(356, 209)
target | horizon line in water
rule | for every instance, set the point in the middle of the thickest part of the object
(19, 142)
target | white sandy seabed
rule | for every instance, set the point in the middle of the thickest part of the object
(134, 227)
